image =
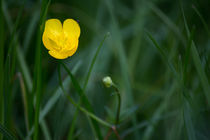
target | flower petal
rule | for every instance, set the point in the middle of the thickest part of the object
(71, 28)
(58, 55)
(48, 43)
(52, 32)
(74, 49)
(53, 28)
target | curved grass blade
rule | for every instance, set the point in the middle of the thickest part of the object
(24, 98)
(20, 57)
(45, 130)
(167, 21)
(23, 68)
(187, 54)
(87, 112)
(197, 62)
(202, 20)
(30, 30)
(84, 100)
(70, 135)
(10, 48)
(24, 72)
(52, 101)
(94, 60)
(7, 134)
(165, 58)
(9, 69)
(204, 81)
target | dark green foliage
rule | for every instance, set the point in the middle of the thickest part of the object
(157, 53)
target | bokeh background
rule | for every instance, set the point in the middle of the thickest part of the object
(157, 53)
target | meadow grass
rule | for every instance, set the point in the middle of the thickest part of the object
(156, 52)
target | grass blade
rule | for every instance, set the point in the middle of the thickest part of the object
(13, 34)
(30, 30)
(84, 100)
(93, 61)
(45, 130)
(187, 53)
(157, 114)
(58, 92)
(120, 48)
(70, 135)
(25, 103)
(76, 84)
(188, 121)
(165, 58)
(167, 21)
(9, 68)
(1, 65)
(38, 67)
(52, 101)
(7, 134)
(197, 62)
(202, 20)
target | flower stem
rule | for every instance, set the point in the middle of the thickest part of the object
(119, 105)
(78, 105)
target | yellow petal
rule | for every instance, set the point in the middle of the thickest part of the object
(58, 55)
(52, 32)
(71, 28)
(72, 51)
(53, 28)
(49, 43)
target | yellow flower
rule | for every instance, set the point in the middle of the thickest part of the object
(61, 41)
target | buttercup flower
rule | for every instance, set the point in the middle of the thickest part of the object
(61, 40)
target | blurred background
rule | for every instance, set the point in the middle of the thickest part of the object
(157, 53)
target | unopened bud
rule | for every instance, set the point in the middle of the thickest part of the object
(107, 81)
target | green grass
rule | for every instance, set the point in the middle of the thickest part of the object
(38, 67)
(157, 54)
(1, 66)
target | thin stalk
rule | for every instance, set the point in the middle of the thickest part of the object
(78, 106)
(38, 67)
(38, 88)
(112, 129)
(85, 85)
(9, 69)
(119, 105)
(24, 98)
(1, 65)
(84, 100)
(93, 62)
(117, 119)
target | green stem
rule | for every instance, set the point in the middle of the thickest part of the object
(38, 66)
(85, 85)
(79, 107)
(119, 105)
(85, 100)
(25, 103)
(93, 61)
(1, 65)
(38, 89)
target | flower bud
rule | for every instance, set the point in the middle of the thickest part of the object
(107, 81)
